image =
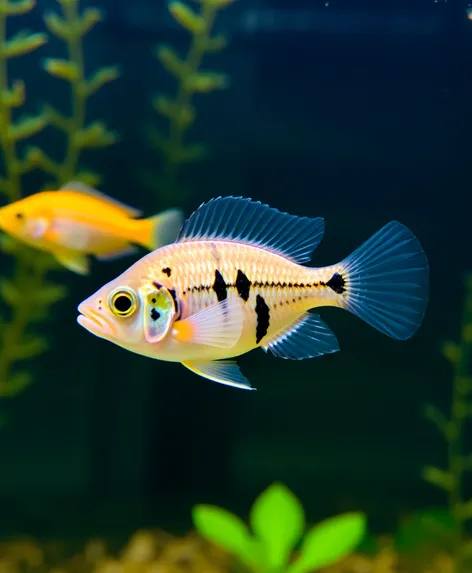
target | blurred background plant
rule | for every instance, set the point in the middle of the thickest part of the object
(452, 428)
(179, 111)
(29, 292)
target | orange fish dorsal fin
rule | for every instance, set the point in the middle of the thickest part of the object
(79, 187)
(243, 220)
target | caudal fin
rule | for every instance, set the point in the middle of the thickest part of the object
(386, 281)
(165, 228)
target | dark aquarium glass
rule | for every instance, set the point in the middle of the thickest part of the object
(356, 111)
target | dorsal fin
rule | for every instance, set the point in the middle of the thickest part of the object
(243, 220)
(79, 187)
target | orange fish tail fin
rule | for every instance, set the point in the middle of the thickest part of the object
(160, 230)
(385, 281)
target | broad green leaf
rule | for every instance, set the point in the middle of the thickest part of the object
(225, 530)
(278, 521)
(330, 541)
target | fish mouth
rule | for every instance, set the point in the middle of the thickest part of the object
(95, 323)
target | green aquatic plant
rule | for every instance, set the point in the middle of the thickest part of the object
(29, 292)
(179, 111)
(278, 524)
(452, 429)
(24, 294)
(72, 27)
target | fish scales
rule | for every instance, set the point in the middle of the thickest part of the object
(288, 289)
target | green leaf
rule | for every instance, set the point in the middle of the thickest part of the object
(16, 8)
(14, 97)
(465, 510)
(90, 17)
(89, 178)
(172, 62)
(100, 78)
(58, 26)
(23, 43)
(15, 384)
(183, 115)
(94, 135)
(27, 127)
(439, 478)
(451, 351)
(64, 69)
(187, 18)
(30, 347)
(435, 416)
(225, 530)
(278, 521)
(50, 293)
(205, 82)
(330, 541)
(9, 292)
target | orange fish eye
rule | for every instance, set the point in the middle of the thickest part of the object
(123, 302)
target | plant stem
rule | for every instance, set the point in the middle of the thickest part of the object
(461, 390)
(184, 94)
(74, 48)
(11, 164)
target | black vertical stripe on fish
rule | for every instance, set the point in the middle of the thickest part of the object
(176, 302)
(337, 283)
(243, 285)
(263, 318)
(219, 286)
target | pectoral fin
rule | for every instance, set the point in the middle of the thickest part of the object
(222, 371)
(218, 325)
(38, 227)
(77, 263)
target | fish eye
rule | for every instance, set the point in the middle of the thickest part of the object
(123, 302)
(20, 216)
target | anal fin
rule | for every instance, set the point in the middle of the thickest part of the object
(78, 263)
(222, 371)
(308, 338)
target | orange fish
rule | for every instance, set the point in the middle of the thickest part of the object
(234, 281)
(77, 221)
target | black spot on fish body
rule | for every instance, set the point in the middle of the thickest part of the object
(157, 285)
(155, 315)
(219, 286)
(243, 285)
(337, 283)
(167, 271)
(263, 318)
